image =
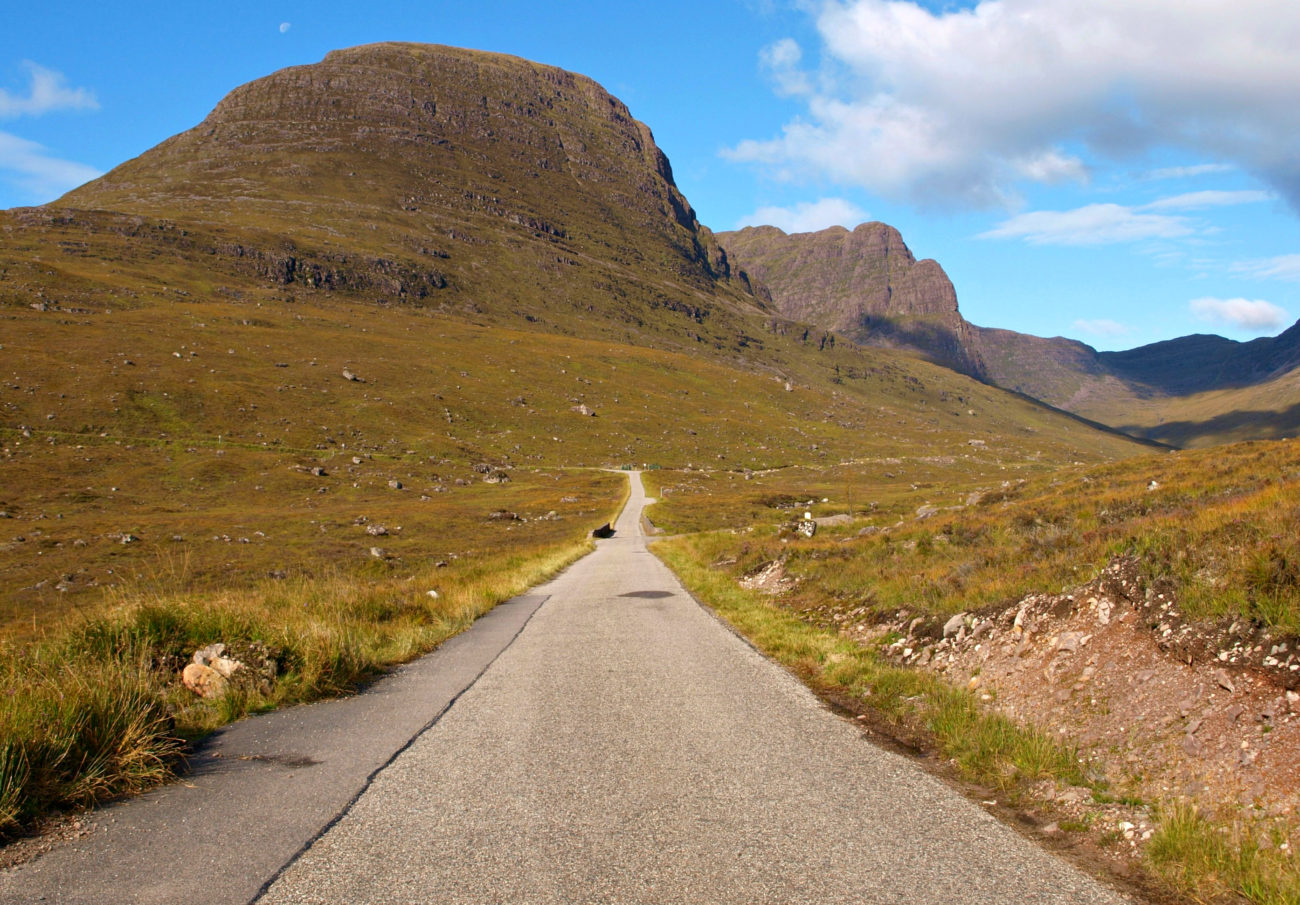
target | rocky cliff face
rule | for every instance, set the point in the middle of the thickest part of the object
(863, 283)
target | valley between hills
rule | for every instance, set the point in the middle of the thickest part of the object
(353, 360)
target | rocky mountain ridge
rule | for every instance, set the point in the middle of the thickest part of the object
(867, 285)
(864, 284)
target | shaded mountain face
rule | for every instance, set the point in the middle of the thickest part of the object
(1192, 391)
(1196, 364)
(864, 284)
(446, 178)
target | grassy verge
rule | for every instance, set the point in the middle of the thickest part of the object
(1215, 527)
(987, 749)
(1206, 861)
(96, 711)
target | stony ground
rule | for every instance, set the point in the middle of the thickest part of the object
(1164, 709)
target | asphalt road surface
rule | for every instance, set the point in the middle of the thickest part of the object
(601, 740)
(627, 747)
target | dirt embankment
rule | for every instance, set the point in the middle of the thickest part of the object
(1163, 708)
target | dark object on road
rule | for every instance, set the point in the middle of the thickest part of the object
(605, 530)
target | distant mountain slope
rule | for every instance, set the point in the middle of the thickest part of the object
(1192, 391)
(865, 283)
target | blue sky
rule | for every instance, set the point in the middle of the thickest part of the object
(1117, 171)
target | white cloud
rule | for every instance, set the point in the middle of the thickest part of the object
(1256, 316)
(807, 216)
(1191, 201)
(1282, 267)
(1051, 166)
(48, 91)
(30, 167)
(284, 27)
(1102, 327)
(948, 107)
(1093, 224)
(1200, 169)
(781, 61)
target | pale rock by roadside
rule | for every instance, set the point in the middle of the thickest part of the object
(204, 681)
(210, 670)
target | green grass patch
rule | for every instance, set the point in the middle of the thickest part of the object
(1208, 860)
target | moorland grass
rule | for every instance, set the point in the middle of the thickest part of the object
(1216, 526)
(95, 710)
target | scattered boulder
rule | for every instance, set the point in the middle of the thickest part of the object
(584, 410)
(503, 515)
(804, 527)
(376, 530)
(214, 655)
(827, 521)
(395, 485)
(210, 672)
(496, 477)
(204, 681)
(954, 625)
(768, 579)
(348, 375)
(1069, 642)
